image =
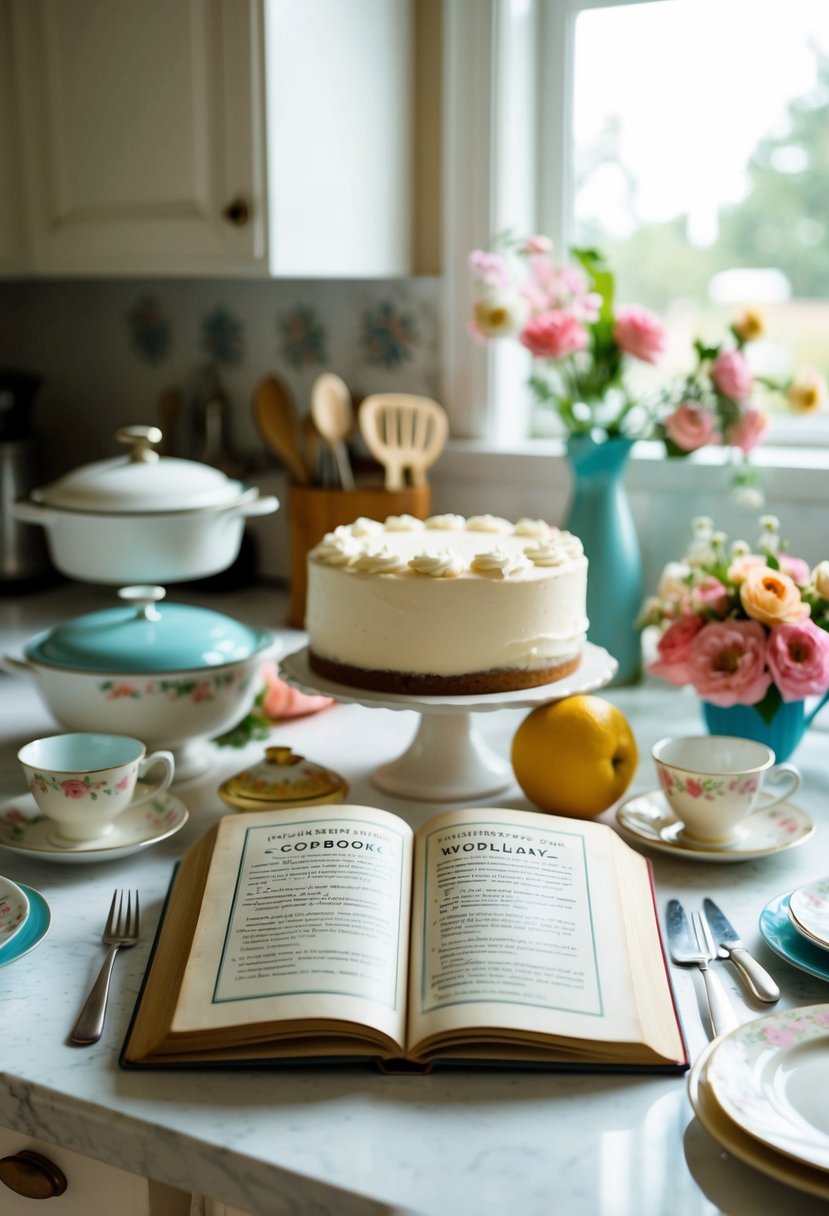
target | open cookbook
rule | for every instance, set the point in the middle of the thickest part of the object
(340, 934)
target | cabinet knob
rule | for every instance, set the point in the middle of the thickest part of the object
(237, 212)
(33, 1176)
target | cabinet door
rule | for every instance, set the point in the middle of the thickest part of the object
(12, 241)
(143, 135)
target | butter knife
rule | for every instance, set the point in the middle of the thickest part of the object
(729, 945)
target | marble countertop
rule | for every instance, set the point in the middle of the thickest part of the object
(325, 1141)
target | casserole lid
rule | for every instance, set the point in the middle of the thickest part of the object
(143, 636)
(142, 482)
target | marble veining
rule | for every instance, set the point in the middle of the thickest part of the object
(322, 1141)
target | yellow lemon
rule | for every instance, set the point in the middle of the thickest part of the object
(575, 757)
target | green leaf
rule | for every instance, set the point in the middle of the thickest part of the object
(772, 562)
(770, 704)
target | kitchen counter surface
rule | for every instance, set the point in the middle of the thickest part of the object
(325, 1141)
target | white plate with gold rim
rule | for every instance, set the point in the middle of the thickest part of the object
(648, 819)
(24, 830)
(743, 1146)
(770, 1077)
(809, 911)
(14, 908)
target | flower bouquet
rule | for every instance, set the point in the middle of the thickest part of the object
(567, 318)
(743, 628)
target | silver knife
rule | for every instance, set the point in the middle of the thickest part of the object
(688, 950)
(729, 945)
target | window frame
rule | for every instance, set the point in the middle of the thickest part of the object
(493, 181)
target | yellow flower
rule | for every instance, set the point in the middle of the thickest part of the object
(771, 597)
(808, 392)
(750, 325)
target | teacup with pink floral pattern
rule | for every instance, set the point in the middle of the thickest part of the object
(83, 781)
(713, 782)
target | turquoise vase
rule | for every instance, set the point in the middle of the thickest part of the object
(600, 515)
(782, 733)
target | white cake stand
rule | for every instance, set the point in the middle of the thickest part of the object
(448, 761)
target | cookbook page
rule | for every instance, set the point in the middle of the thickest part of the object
(305, 916)
(517, 931)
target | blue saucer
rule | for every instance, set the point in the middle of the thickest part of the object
(34, 930)
(779, 933)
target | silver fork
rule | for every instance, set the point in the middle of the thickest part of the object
(120, 931)
(720, 1009)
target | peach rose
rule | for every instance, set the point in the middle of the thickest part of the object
(771, 597)
(808, 392)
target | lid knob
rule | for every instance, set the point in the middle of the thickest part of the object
(142, 441)
(145, 597)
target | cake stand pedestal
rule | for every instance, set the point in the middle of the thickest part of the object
(448, 760)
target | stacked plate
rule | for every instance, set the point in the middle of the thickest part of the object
(24, 919)
(760, 1092)
(796, 926)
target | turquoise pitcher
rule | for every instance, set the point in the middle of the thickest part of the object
(600, 515)
(782, 733)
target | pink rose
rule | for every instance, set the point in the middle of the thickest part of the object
(798, 658)
(640, 333)
(748, 430)
(728, 663)
(731, 374)
(554, 334)
(283, 701)
(797, 569)
(709, 595)
(674, 649)
(490, 268)
(538, 244)
(690, 426)
(73, 788)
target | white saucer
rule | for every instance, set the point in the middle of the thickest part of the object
(648, 819)
(24, 830)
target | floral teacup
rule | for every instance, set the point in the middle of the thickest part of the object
(84, 781)
(712, 783)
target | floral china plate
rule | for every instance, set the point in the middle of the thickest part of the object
(809, 911)
(648, 819)
(24, 830)
(33, 930)
(770, 1077)
(743, 1146)
(782, 937)
(14, 908)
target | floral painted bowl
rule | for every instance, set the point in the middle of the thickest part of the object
(14, 908)
(171, 675)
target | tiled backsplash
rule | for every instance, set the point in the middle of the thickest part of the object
(107, 349)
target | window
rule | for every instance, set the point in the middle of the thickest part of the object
(687, 140)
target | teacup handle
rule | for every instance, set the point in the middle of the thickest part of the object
(156, 759)
(793, 783)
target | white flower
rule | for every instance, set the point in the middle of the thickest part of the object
(702, 526)
(739, 548)
(500, 314)
(749, 496)
(820, 579)
(673, 583)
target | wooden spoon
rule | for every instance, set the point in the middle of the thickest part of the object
(275, 417)
(403, 432)
(333, 417)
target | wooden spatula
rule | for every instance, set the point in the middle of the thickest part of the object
(403, 432)
(333, 417)
(275, 417)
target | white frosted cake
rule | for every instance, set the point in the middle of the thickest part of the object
(447, 605)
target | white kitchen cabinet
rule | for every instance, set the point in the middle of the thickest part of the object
(209, 137)
(93, 1187)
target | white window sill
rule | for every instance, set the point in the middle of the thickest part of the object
(796, 474)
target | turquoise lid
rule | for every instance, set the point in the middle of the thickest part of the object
(146, 636)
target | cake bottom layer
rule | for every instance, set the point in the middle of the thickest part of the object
(424, 684)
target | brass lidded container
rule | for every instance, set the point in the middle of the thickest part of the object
(281, 781)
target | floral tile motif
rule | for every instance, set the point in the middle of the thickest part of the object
(151, 332)
(223, 336)
(303, 339)
(389, 335)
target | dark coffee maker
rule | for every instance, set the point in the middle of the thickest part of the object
(24, 562)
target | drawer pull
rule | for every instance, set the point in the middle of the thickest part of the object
(33, 1176)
